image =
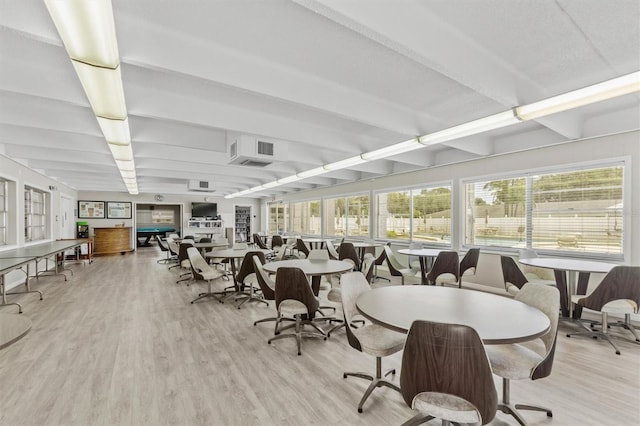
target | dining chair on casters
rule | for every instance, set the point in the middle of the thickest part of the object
(469, 263)
(247, 277)
(446, 374)
(618, 293)
(445, 269)
(516, 361)
(396, 269)
(371, 339)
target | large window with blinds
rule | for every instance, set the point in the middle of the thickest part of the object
(347, 216)
(306, 217)
(419, 214)
(278, 214)
(578, 211)
(35, 214)
(4, 211)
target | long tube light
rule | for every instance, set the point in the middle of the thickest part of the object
(598, 92)
(623, 85)
(87, 30)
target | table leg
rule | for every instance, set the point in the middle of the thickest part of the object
(423, 270)
(561, 284)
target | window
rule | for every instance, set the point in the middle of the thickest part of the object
(572, 211)
(419, 214)
(305, 217)
(278, 215)
(34, 214)
(347, 216)
(4, 211)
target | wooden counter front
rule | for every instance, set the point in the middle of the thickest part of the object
(111, 240)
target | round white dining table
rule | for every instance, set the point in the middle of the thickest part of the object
(497, 319)
(311, 268)
(13, 327)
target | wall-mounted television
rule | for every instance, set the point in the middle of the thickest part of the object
(204, 210)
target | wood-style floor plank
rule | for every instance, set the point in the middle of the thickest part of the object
(120, 344)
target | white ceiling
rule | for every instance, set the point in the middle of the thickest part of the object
(329, 78)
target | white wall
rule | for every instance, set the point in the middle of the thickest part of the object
(620, 146)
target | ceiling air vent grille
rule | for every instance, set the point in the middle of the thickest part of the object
(255, 163)
(265, 148)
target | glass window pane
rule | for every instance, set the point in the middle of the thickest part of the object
(393, 215)
(432, 214)
(305, 217)
(358, 216)
(335, 220)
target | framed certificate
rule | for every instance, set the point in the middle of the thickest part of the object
(90, 209)
(118, 210)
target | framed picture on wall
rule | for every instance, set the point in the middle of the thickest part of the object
(118, 210)
(90, 209)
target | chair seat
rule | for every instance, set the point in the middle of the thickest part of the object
(447, 278)
(620, 306)
(211, 274)
(292, 307)
(512, 361)
(379, 341)
(185, 264)
(446, 407)
(335, 295)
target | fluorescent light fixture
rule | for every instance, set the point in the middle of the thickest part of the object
(115, 131)
(256, 188)
(469, 128)
(270, 184)
(343, 164)
(127, 174)
(121, 152)
(126, 165)
(312, 172)
(103, 87)
(87, 30)
(598, 92)
(391, 150)
(289, 179)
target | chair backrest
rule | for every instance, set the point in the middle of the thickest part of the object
(204, 240)
(246, 268)
(189, 237)
(276, 241)
(182, 250)
(512, 273)
(367, 266)
(161, 243)
(173, 246)
(318, 255)
(302, 247)
(392, 262)
(333, 253)
(267, 286)
(448, 359)
(348, 251)
(257, 239)
(547, 299)
(446, 263)
(292, 283)
(381, 257)
(352, 285)
(198, 264)
(469, 261)
(622, 282)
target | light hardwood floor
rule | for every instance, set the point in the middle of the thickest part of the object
(119, 343)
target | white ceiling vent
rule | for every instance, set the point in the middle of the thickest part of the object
(247, 150)
(201, 186)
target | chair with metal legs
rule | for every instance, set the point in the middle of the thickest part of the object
(371, 339)
(202, 271)
(248, 278)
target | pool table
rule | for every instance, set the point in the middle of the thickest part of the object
(149, 231)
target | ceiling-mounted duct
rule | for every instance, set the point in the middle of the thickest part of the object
(253, 151)
(201, 186)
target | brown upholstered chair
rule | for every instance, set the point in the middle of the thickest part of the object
(247, 278)
(301, 248)
(445, 269)
(469, 263)
(515, 361)
(396, 269)
(163, 247)
(514, 278)
(348, 251)
(183, 261)
(333, 252)
(618, 293)
(257, 240)
(295, 298)
(202, 271)
(276, 241)
(371, 339)
(382, 257)
(446, 374)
